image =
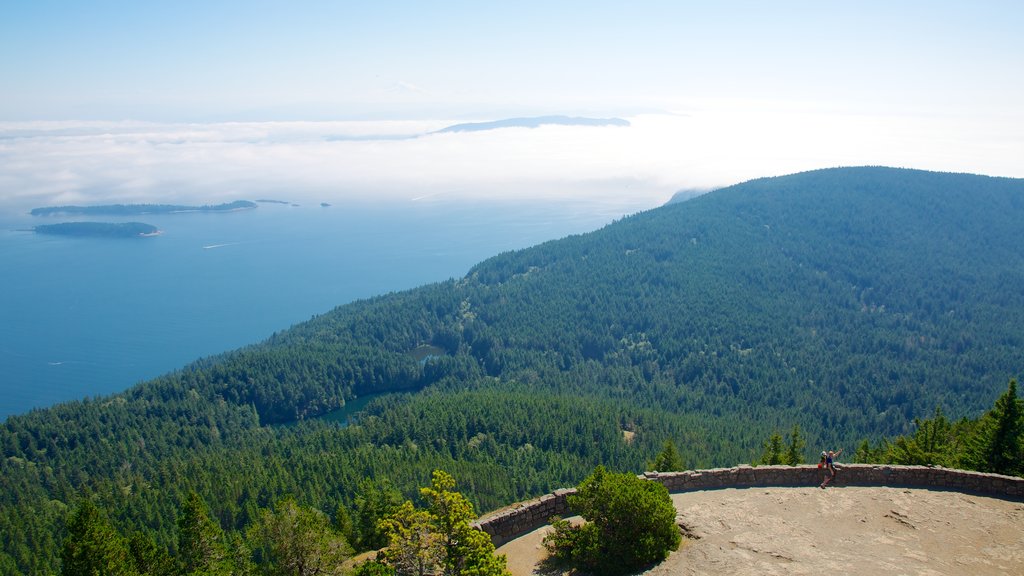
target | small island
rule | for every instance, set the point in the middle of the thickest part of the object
(137, 209)
(99, 229)
(535, 122)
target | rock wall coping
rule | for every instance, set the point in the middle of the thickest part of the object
(518, 519)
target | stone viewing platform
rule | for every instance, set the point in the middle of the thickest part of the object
(510, 522)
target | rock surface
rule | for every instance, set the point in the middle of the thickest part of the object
(843, 530)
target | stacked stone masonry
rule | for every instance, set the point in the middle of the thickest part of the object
(516, 520)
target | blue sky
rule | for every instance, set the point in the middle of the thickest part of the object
(130, 99)
(210, 60)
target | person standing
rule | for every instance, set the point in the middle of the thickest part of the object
(828, 459)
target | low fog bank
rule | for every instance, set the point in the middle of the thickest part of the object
(641, 165)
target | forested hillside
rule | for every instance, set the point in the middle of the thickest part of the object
(849, 301)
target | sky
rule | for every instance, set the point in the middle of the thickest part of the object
(208, 100)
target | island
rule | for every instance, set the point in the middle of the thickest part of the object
(99, 229)
(534, 122)
(137, 209)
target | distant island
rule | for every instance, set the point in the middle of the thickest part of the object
(534, 122)
(137, 209)
(99, 229)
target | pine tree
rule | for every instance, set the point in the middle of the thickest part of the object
(201, 542)
(467, 550)
(772, 450)
(374, 502)
(93, 546)
(668, 460)
(630, 524)
(931, 445)
(414, 547)
(343, 523)
(441, 537)
(149, 558)
(299, 541)
(795, 449)
(996, 445)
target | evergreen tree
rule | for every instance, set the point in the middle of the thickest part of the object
(343, 523)
(996, 444)
(932, 444)
(241, 556)
(795, 449)
(773, 454)
(440, 537)
(467, 551)
(299, 541)
(374, 502)
(93, 547)
(373, 567)
(202, 548)
(414, 547)
(630, 524)
(149, 558)
(668, 460)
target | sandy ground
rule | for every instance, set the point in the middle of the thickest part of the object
(844, 530)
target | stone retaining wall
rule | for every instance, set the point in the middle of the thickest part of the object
(511, 522)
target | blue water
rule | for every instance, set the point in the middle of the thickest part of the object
(87, 316)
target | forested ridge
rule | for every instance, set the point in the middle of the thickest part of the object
(848, 301)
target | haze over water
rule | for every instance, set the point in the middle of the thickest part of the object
(89, 316)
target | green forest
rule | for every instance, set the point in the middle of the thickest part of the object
(857, 303)
(137, 209)
(100, 229)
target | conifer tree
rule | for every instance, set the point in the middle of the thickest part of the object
(996, 444)
(668, 460)
(795, 449)
(201, 544)
(343, 524)
(374, 502)
(772, 450)
(931, 444)
(149, 558)
(441, 537)
(93, 546)
(630, 525)
(467, 550)
(413, 545)
(299, 541)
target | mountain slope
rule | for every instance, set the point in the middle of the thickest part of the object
(888, 289)
(848, 301)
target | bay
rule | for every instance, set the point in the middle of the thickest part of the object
(92, 316)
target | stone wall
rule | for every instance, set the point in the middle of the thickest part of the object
(518, 519)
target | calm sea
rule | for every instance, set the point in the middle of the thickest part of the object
(86, 316)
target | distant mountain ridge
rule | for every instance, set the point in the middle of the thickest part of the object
(533, 122)
(849, 301)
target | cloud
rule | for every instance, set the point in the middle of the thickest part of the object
(705, 145)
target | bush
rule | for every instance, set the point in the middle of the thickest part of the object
(630, 524)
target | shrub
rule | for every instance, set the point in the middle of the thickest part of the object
(630, 524)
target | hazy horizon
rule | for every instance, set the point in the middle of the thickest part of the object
(201, 101)
(643, 164)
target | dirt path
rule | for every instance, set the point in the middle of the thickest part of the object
(846, 530)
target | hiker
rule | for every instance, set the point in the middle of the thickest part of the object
(827, 461)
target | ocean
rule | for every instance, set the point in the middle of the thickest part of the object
(88, 317)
